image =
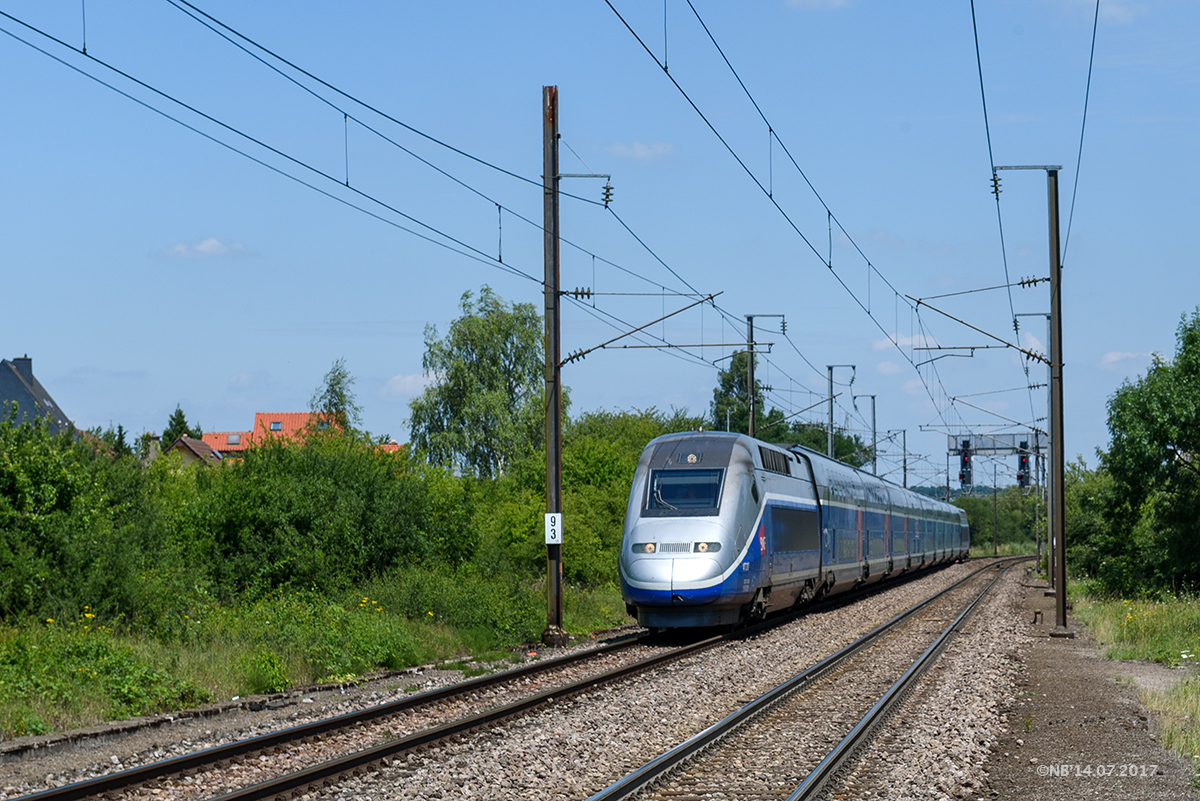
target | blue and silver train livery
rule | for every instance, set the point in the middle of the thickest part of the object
(722, 527)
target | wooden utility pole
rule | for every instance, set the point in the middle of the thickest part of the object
(554, 633)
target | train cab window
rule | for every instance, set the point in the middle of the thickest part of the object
(684, 492)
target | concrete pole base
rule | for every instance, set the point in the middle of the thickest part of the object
(554, 637)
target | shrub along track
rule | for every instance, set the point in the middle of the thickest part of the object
(350, 744)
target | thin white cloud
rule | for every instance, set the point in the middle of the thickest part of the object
(1113, 10)
(888, 368)
(1032, 343)
(1113, 360)
(250, 381)
(641, 151)
(211, 248)
(402, 387)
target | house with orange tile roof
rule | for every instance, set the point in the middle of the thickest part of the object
(287, 426)
(284, 425)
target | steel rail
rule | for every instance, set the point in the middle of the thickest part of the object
(844, 750)
(202, 759)
(326, 772)
(658, 767)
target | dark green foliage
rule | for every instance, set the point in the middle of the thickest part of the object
(72, 524)
(113, 439)
(1133, 524)
(324, 515)
(178, 426)
(1011, 517)
(80, 526)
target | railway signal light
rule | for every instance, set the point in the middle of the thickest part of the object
(1023, 466)
(964, 467)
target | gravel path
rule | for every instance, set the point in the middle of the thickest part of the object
(1072, 708)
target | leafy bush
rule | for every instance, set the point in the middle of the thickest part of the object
(76, 671)
(324, 515)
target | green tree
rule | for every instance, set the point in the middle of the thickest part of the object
(486, 405)
(730, 407)
(730, 411)
(334, 400)
(178, 426)
(1154, 467)
(1010, 515)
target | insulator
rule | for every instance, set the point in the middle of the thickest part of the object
(996, 184)
(608, 190)
(783, 326)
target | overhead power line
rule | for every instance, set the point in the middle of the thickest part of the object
(195, 13)
(1087, 93)
(466, 249)
(769, 194)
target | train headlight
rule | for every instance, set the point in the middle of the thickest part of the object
(706, 547)
(644, 547)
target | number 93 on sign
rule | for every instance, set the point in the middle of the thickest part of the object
(554, 528)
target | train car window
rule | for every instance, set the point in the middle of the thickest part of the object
(795, 529)
(773, 460)
(682, 492)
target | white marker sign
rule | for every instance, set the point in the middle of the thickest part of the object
(554, 528)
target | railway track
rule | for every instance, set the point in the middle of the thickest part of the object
(792, 741)
(261, 767)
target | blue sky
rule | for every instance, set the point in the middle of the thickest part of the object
(148, 266)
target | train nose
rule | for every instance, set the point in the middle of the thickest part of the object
(651, 571)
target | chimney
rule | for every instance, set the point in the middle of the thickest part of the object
(24, 366)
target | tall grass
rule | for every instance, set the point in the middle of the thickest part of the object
(1005, 549)
(1165, 631)
(56, 675)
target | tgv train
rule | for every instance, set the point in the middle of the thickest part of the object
(722, 527)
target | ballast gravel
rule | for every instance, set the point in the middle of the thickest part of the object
(578, 746)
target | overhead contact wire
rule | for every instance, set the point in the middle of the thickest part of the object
(474, 253)
(1082, 127)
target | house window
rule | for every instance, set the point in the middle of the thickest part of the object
(276, 425)
(233, 439)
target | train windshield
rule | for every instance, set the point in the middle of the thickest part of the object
(684, 491)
